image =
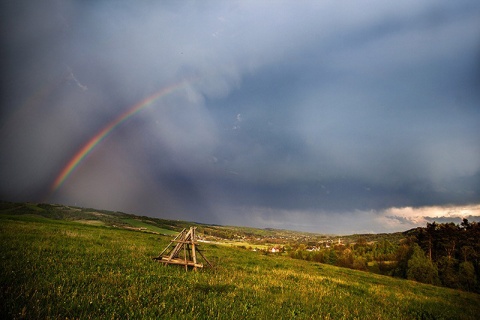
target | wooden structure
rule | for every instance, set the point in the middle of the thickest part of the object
(183, 251)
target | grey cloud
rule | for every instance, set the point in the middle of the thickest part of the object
(345, 108)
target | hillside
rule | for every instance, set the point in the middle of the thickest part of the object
(66, 262)
(167, 227)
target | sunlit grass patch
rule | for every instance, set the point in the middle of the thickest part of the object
(148, 227)
(91, 222)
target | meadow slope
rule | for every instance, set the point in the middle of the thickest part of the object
(69, 269)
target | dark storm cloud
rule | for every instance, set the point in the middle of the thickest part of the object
(292, 115)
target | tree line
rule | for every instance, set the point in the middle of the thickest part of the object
(443, 254)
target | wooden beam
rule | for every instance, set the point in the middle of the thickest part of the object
(182, 262)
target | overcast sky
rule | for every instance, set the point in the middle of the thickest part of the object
(324, 116)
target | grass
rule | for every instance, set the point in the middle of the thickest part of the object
(63, 269)
(242, 244)
(148, 226)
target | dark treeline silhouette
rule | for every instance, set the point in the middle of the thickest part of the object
(450, 255)
(443, 254)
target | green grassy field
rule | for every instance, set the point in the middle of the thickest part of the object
(65, 269)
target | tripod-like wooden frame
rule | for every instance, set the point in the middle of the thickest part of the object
(185, 240)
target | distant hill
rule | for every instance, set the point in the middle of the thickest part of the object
(164, 226)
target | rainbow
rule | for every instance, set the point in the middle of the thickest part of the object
(93, 142)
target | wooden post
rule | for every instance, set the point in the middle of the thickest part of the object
(185, 255)
(194, 256)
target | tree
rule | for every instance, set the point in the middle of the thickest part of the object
(360, 263)
(431, 233)
(449, 234)
(447, 272)
(332, 257)
(467, 253)
(345, 259)
(403, 254)
(420, 268)
(466, 276)
(465, 225)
